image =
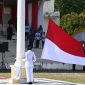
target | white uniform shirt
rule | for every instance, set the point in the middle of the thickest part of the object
(30, 58)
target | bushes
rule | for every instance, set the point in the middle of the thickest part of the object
(82, 20)
(73, 22)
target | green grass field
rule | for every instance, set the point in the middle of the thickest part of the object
(69, 76)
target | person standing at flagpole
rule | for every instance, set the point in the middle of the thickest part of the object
(29, 59)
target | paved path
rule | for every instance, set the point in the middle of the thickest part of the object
(41, 81)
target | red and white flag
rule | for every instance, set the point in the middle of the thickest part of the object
(60, 46)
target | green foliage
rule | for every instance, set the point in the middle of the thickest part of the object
(82, 20)
(68, 6)
(58, 4)
(72, 14)
(72, 22)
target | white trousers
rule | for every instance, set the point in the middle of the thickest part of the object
(29, 73)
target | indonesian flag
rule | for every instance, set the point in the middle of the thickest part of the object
(60, 46)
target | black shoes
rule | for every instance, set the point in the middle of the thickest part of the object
(29, 83)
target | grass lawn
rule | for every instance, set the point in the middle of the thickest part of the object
(69, 76)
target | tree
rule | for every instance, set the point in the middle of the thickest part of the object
(73, 22)
(58, 5)
(70, 22)
(82, 20)
(68, 6)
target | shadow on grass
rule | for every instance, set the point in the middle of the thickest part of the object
(59, 71)
(47, 71)
(5, 70)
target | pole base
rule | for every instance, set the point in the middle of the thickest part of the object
(22, 76)
(13, 81)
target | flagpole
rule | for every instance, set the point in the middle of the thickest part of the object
(16, 70)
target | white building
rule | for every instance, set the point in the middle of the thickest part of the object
(44, 8)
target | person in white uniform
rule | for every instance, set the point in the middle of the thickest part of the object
(30, 58)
